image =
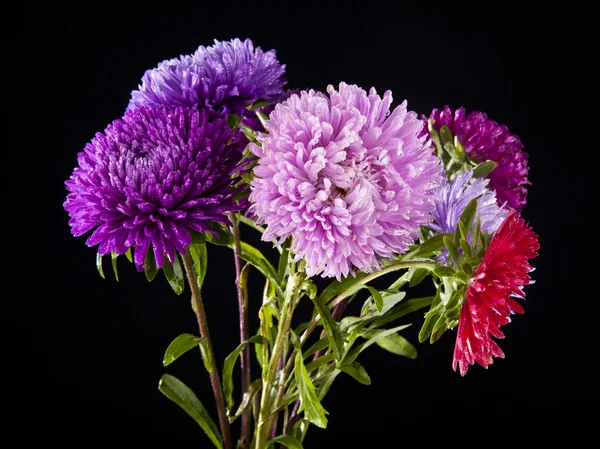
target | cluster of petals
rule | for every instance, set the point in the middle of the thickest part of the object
(349, 180)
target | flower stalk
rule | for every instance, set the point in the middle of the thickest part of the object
(204, 332)
(243, 317)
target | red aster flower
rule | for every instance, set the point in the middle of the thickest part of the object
(488, 305)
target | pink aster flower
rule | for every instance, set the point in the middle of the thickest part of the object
(501, 275)
(484, 139)
(348, 180)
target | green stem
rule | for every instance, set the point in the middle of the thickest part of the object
(285, 318)
(244, 335)
(203, 325)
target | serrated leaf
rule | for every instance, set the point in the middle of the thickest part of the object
(185, 398)
(99, 265)
(199, 254)
(228, 366)
(174, 274)
(483, 169)
(336, 340)
(357, 371)
(179, 346)
(309, 402)
(399, 345)
(452, 249)
(287, 440)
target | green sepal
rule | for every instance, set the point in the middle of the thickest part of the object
(483, 169)
(99, 265)
(150, 267)
(452, 249)
(174, 274)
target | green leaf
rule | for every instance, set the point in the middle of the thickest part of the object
(337, 287)
(466, 248)
(371, 337)
(199, 255)
(150, 267)
(399, 345)
(336, 340)
(182, 344)
(224, 235)
(427, 248)
(418, 275)
(258, 104)
(228, 366)
(444, 271)
(309, 402)
(113, 257)
(460, 150)
(401, 310)
(99, 265)
(259, 261)
(206, 354)
(287, 440)
(174, 274)
(185, 398)
(319, 362)
(484, 168)
(357, 371)
(468, 215)
(253, 389)
(389, 301)
(427, 327)
(452, 249)
(321, 344)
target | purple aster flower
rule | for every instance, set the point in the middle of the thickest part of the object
(350, 181)
(224, 78)
(151, 178)
(453, 197)
(484, 139)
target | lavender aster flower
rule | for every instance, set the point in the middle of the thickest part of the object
(349, 182)
(453, 197)
(484, 139)
(152, 177)
(223, 78)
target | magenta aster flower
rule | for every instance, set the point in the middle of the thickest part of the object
(223, 78)
(151, 178)
(484, 139)
(350, 181)
(502, 273)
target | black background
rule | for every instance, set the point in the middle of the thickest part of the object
(83, 354)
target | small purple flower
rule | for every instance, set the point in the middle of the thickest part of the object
(349, 181)
(453, 197)
(223, 78)
(151, 178)
(484, 139)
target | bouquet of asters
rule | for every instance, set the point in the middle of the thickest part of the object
(346, 187)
